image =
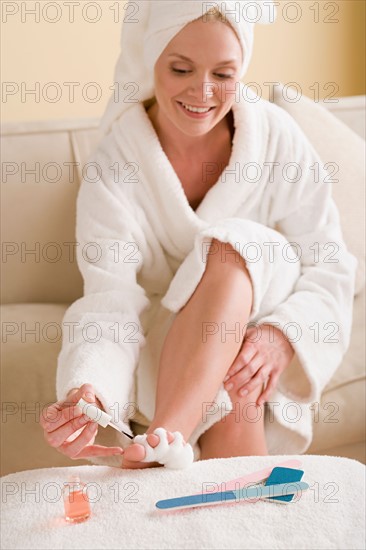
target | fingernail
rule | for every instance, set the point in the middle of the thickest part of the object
(229, 386)
(244, 392)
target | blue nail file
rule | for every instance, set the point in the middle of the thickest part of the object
(259, 491)
(281, 475)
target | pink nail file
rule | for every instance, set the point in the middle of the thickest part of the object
(255, 477)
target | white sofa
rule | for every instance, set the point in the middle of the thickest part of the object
(41, 277)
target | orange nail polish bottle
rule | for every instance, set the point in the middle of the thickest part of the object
(76, 502)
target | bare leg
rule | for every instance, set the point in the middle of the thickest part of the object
(192, 369)
(240, 433)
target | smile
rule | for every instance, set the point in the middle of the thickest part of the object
(192, 109)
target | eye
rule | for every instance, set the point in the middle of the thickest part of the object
(180, 71)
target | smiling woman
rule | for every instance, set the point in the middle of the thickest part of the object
(200, 203)
(192, 110)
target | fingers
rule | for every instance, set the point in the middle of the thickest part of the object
(81, 447)
(248, 351)
(57, 414)
(256, 381)
(246, 374)
(99, 450)
(86, 391)
(257, 361)
(64, 419)
(271, 385)
(56, 433)
(69, 431)
(54, 412)
(74, 447)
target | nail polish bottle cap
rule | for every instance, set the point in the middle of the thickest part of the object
(74, 479)
(74, 483)
(94, 413)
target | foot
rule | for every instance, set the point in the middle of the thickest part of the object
(176, 456)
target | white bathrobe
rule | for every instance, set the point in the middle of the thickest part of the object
(142, 252)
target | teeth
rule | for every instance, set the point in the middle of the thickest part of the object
(196, 109)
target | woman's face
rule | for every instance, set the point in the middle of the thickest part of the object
(203, 79)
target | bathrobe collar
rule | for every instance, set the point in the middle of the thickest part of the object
(161, 183)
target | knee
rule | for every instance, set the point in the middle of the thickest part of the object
(223, 253)
(225, 263)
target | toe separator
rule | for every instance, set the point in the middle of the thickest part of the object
(174, 456)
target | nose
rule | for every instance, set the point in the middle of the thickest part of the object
(201, 88)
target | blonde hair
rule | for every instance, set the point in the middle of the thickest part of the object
(214, 14)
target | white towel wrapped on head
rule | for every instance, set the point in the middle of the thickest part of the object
(151, 25)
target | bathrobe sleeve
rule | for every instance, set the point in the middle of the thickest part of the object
(102, 333)
(317, 316)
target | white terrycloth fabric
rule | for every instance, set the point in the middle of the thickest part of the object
(149, 27)
(330, 515)
(150, 253)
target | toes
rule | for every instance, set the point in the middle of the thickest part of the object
(162, 447)
(153, 439)
(134, 452)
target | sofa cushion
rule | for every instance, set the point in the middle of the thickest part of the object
(337, 144)
(340, 417)
(351, 110)
(32, 337)
(39, 216)
(39, 208)
(28, 374)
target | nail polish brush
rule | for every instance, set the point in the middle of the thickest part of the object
(99, 416)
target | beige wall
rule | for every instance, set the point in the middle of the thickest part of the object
(307, 52)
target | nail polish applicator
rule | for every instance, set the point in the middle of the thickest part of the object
(99, 416)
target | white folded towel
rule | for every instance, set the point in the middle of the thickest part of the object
(330, 515)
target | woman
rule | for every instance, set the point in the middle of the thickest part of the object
(205, 216)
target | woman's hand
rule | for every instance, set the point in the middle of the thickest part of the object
(69, 431)
(265, 353)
